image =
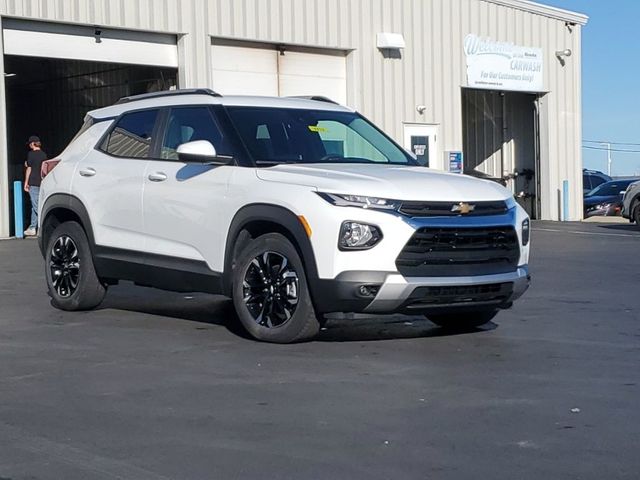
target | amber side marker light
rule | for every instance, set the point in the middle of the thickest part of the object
(305, 224)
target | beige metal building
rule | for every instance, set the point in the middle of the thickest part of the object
(498, 81)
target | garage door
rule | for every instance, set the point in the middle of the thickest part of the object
(75, 42)
(303, 73)
(245, 70)
(249, 70)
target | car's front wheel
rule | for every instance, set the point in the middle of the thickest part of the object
(463, 321)
(270, 292)
(636, 214)
(71, 277)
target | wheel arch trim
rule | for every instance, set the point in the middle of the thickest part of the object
(71, 203)
(275, 214)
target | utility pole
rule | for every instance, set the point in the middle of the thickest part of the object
(608, 145)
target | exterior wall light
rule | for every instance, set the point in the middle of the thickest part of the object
(390, 41)
(561, 54)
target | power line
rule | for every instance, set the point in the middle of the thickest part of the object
(604, 149)
(612, 143)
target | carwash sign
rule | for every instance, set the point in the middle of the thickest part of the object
(503, 65)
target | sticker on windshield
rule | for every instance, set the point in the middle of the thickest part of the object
(315, 128)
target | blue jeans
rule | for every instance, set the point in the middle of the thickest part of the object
(34, 195)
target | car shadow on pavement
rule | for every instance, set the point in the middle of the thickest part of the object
(194, 307)
(359, 328)
(628, 228)
(218, 310)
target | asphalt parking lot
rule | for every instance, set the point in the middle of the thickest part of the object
(157, 385)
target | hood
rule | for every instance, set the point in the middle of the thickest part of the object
(386, 181)
(597, 199)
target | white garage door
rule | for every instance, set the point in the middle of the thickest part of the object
(242, 70)
(313, 74)
(74, 42)
(245, 70)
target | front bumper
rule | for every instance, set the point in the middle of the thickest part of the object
(372, 281)
(399, 294)
(611, 210)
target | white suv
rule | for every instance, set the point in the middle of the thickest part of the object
(294, 207)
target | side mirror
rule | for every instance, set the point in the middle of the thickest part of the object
(202, 152)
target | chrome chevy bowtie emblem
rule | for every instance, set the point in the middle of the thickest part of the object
(463, 208)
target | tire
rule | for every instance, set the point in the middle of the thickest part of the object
(463, 321)
(71, 276)
(271, 294)
(636, 213)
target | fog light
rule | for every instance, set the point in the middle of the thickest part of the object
(368, 290)
(358, 236)
(525, 232)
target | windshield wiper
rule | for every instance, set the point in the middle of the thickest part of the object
(276, 162)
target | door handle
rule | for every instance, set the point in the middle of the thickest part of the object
(157, 177)
(87, 172)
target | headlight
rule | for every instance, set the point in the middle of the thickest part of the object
(341, 200)
(526, 231)
(358, 236)
(603, 206)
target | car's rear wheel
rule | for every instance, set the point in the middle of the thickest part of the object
(270, 292)
(71, 276)
(463, 321)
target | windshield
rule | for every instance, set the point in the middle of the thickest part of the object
(288, 135)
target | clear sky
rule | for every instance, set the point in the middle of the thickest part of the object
(610, 80)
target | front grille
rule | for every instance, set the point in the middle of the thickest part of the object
(459, 251)
(459, 295)
(448, 209)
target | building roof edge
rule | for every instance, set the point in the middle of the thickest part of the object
(546, 10)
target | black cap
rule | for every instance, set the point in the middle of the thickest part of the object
(33, 139)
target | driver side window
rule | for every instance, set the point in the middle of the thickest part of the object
(188, 125)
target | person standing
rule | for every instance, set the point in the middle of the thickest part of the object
(32, 180)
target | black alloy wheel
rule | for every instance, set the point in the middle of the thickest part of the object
(270, 289)
(71, 276)
(65, 266)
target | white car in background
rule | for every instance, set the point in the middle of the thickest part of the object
(293, 207)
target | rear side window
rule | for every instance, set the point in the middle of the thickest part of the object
(586, 182)
(595, 181)
(131, 136)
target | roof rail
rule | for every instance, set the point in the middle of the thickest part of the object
(317, 98)
(168, 93)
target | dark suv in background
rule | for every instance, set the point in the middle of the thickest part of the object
(606, 199)
(593, 178)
